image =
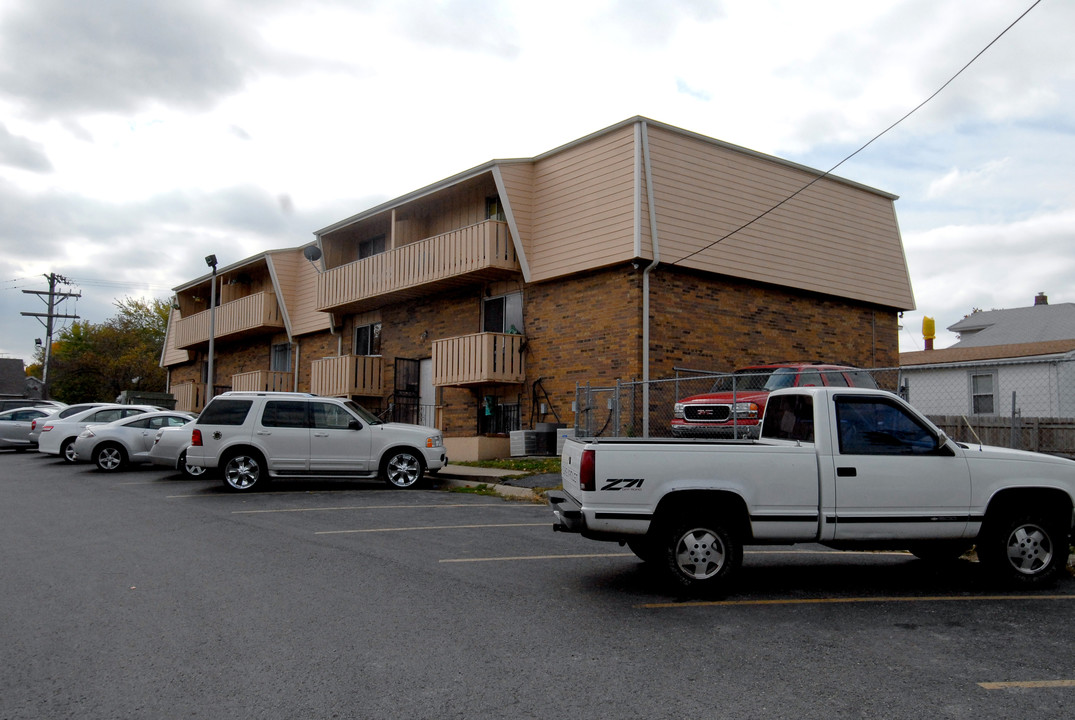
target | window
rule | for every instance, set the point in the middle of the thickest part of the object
(493, 208)
(225, 412)
(983, 393)
(503, 314)
(790, 417)
(284, 413)
(105, 416)
(877, 426)
(329, 416)
(371, 247)
(280, 359)
(368, 339)
(810, 378)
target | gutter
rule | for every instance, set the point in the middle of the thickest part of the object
(641, 133)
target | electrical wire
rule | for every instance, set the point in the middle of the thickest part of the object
(868, 143)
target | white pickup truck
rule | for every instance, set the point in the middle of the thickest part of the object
(848, 468)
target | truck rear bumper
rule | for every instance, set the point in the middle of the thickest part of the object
(567, 512)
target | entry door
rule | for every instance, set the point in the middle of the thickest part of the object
(406, 392)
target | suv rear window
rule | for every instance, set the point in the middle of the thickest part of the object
(225, 412)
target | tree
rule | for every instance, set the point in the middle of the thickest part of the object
(93, 362)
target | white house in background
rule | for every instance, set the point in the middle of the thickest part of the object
(1027, 351)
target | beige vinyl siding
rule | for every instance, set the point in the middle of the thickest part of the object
(173, 355)
(834, 238)
(518, 181)
(297, 278)
(583, 212)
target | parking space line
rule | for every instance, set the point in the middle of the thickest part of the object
(430, 527)
(368, 507)
(1028, 684)
(837, 601)
(535, 557)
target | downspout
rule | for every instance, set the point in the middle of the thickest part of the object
(645, 276)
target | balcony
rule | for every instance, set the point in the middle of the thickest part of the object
(189, 396)
(476, 253)
(263, 381)
(348, 375)
(479, 359)
(252, 314)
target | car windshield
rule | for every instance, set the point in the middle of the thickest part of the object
(752, 380)
(367, 417)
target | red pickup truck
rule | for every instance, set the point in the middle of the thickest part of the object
(734, 406)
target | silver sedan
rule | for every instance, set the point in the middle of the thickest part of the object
(15, 427)
(170, 449)
(113, 445)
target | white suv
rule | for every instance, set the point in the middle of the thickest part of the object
(252, 436)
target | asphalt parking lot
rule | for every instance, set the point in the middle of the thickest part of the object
(141, 594)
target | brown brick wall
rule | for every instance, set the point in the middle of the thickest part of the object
(588, 328)
(714, 323)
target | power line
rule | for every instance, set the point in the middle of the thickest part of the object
(870, 142)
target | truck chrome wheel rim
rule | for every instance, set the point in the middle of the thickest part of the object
(700, 554)
(194, 470)
(109, 458)
(241, 472)
(404, 470)
(1029, 549)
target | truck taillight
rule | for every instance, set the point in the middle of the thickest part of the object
(196, 437)
(587, 474)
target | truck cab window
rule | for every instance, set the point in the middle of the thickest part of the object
(790, 417)
(875, 426)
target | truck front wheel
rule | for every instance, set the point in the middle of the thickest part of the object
(702, 554)
(1027, 549)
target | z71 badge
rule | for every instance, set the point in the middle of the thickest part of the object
(623, 484)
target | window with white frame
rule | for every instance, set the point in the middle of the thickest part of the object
(368, 339)
(280, 358)
(983, 392)
(503, 314)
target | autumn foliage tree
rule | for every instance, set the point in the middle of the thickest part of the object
(96, 362)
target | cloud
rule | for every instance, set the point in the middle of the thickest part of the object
(59, 59)
(964, 181)
(22, 153)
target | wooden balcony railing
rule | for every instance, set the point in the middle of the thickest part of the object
(189, 396)
(257, 312)
(479, 358)
(263, 381)
(348, 375)
(480, 251)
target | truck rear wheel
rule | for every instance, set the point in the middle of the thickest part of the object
(702, 555)
(1028, 549)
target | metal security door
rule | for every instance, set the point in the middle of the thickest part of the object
(408, 377)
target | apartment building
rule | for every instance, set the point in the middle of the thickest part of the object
(476, 304)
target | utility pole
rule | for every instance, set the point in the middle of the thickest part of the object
(51, 299)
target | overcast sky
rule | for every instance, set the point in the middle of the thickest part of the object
(138, 136)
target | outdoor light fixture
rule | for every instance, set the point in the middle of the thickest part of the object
(210, 260)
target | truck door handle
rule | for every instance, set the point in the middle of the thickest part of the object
(846, 472)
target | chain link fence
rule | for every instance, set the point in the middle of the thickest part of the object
(1028, 406)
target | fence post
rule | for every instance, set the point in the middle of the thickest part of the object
(1013, 438)
(616, 413)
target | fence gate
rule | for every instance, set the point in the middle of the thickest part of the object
(406, 391)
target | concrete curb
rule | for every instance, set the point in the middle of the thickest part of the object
(508, 491)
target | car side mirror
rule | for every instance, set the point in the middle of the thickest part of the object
(354, 425)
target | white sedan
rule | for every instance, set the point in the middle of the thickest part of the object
(170, 449)
(58, 434)
(128, 440)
